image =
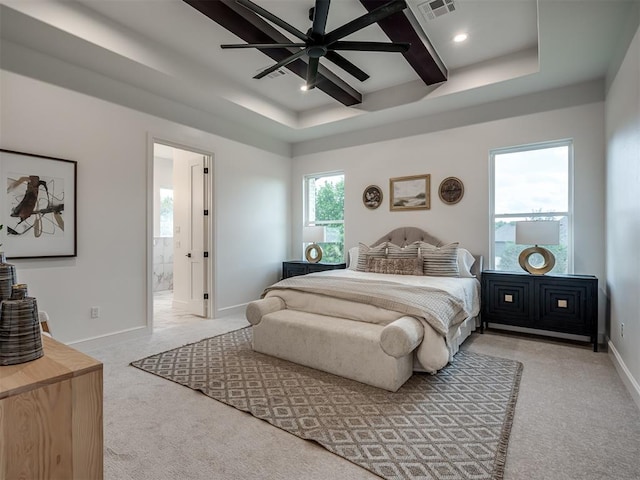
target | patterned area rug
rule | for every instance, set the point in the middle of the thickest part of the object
(454, 425)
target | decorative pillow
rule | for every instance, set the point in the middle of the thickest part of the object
(365, 251)
(440, 261)
(353, 258)
(395, 266)
(409, 251)
(465, 262)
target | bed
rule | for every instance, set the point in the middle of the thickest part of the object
(405, 303)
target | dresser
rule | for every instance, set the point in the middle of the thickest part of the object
(553, 303)
(293, 268)
(51, 416)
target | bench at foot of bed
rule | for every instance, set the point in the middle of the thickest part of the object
(381, 356)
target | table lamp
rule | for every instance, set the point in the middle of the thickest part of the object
(537, 233)
(313, 236)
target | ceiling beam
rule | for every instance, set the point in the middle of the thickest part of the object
(421, 56)
(253, 29)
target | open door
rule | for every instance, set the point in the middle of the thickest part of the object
(191, 255)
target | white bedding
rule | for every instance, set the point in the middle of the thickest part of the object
(459, 297)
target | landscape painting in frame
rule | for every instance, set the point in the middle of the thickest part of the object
(38, 209)
(410, 193)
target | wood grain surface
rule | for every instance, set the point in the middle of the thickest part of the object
(51, 420)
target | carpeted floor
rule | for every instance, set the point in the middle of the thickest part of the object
(574, 418)
(454, 425)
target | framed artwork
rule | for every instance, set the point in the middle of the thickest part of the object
(38, 208)
(372, 197)
(410, 193)
(451, 190)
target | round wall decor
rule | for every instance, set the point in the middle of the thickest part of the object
(372, 197)
(451, 190)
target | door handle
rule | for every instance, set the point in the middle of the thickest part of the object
(188, 255)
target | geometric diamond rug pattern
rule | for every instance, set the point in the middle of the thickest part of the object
(453, 425)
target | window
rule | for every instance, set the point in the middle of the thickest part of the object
(166, 212)
(531, 182)
(324, 206)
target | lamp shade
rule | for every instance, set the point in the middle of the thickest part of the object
(313, 234)
(538, 233)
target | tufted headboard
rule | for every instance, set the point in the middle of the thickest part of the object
(405, 235)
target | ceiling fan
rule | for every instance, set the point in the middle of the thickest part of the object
(317, 43)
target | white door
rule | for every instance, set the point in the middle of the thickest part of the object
(190, 223)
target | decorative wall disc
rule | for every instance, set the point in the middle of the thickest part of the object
(372, 197)
(451, 190)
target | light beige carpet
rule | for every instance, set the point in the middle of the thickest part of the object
(453, 425)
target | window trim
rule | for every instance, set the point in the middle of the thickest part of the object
(568, 142)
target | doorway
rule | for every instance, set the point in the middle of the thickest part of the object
(180, 276)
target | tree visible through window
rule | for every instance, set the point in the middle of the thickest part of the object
(324, 206)
(531, 182)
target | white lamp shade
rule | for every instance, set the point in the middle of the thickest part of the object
(538, 233)
(313, 234)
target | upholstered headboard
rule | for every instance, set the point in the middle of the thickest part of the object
(405, 235)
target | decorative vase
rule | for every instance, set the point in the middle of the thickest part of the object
(8, 278)
(20, 337)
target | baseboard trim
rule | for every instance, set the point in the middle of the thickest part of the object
(111, 338)
(232, 310)
(628, 380)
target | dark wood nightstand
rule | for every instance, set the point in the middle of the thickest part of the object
(293, 268)
(552, 303)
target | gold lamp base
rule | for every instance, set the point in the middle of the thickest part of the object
(313, 253)
(549, 260)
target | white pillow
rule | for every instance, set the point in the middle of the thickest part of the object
(465, 262)
(353, 257)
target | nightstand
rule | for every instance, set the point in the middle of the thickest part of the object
(552, 303)
(293, 268)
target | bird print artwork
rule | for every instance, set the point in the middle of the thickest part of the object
(37, 204)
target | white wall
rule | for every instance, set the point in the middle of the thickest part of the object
(112, 147)
(623, 215)
(464, 153)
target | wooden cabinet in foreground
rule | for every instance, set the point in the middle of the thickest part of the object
(51, 416)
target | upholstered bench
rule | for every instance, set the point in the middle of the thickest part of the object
(381, 356)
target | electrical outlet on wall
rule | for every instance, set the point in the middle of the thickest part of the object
(95, 312)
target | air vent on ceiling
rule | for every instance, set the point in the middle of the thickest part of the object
(436, 8)
(275, 74)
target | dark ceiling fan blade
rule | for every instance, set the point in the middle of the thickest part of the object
(365, 20)
(273, 19)
(371, 46)
(263, 45)
(320, 14)
(281, 63)
(346, 65)
(312, 72)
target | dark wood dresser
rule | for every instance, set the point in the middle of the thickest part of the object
(552, 303)
(293, 268)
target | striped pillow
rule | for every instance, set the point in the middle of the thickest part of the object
(364, 252)
(410, 251)
(440, 261)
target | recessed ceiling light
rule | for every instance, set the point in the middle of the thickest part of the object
(304, 88)
(461, 37)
